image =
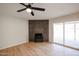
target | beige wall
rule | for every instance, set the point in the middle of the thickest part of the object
(14, 31)
(50, 30)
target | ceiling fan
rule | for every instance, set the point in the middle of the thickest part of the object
(30, 9)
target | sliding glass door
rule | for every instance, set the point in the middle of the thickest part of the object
(76, 35)
(58, 32)
(67, 33)
(77, 31)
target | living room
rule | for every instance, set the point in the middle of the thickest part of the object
(48, 30)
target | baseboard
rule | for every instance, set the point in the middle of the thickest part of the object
(66, 46)
(12, 45)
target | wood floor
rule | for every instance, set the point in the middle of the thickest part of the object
(38, 49)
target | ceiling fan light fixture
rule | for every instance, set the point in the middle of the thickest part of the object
(28, 10)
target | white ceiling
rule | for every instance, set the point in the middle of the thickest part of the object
(52, 10)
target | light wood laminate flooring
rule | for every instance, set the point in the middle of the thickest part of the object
(39, 49)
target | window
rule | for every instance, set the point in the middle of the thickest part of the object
(77, 31)
(58, 32)
(67, 33)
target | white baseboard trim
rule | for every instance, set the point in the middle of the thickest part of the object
(12, 45)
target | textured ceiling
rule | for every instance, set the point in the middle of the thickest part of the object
(52, 10)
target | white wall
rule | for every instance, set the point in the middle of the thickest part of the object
(14, 31)
(67, 18)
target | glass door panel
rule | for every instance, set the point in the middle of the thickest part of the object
(58, 32)
(69, 34)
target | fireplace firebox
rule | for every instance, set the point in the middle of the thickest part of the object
(38, 37)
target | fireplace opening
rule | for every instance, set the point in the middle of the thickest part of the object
(38, 37)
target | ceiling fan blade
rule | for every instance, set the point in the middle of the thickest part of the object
(21, 10)
(36, 8)
(23, 4)
(32, 13)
